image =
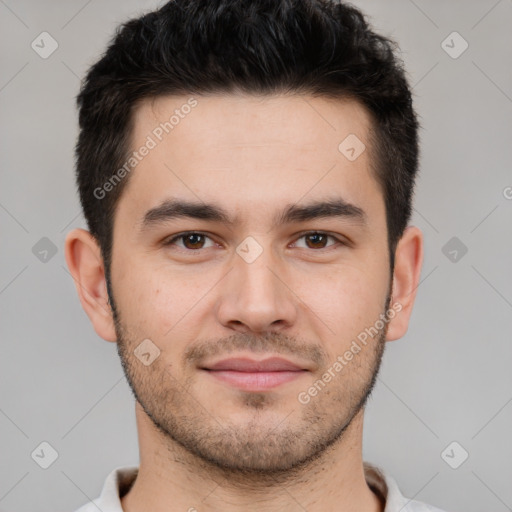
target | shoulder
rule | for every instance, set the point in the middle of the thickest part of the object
(385, 486)
(419, 506)
(117, 483)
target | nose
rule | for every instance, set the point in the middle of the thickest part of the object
(256, 296)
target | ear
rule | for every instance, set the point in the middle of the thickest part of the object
(85, 263)
(406, 277)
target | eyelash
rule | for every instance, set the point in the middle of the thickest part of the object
(179, 236)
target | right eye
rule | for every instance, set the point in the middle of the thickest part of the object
(192, 240)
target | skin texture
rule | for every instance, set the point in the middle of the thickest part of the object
(204, 443)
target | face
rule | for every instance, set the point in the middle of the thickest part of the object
(245, 234)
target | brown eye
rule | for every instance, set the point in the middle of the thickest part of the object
(192, 241)
(318, 240)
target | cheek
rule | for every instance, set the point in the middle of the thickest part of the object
(348, 300)
(149, 300)
(166, 305)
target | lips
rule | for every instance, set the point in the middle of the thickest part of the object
(272, 364)
(252, 376)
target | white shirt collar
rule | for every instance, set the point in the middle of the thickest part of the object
(119, 481)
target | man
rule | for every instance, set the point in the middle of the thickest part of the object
(246, 169)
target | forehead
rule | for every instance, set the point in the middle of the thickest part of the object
(248, 151)
(309, 123)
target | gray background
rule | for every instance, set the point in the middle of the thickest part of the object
(448, 379)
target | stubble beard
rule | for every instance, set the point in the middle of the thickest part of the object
(281, 439)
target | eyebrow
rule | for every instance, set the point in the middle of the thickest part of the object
(293, 213)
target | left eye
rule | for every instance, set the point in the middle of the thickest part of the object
(318, 238)
(192, 238)
(194, 241)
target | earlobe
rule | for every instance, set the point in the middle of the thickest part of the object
(406, 277)
(85, 263)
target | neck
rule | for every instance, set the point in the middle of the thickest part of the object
(172, 479)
